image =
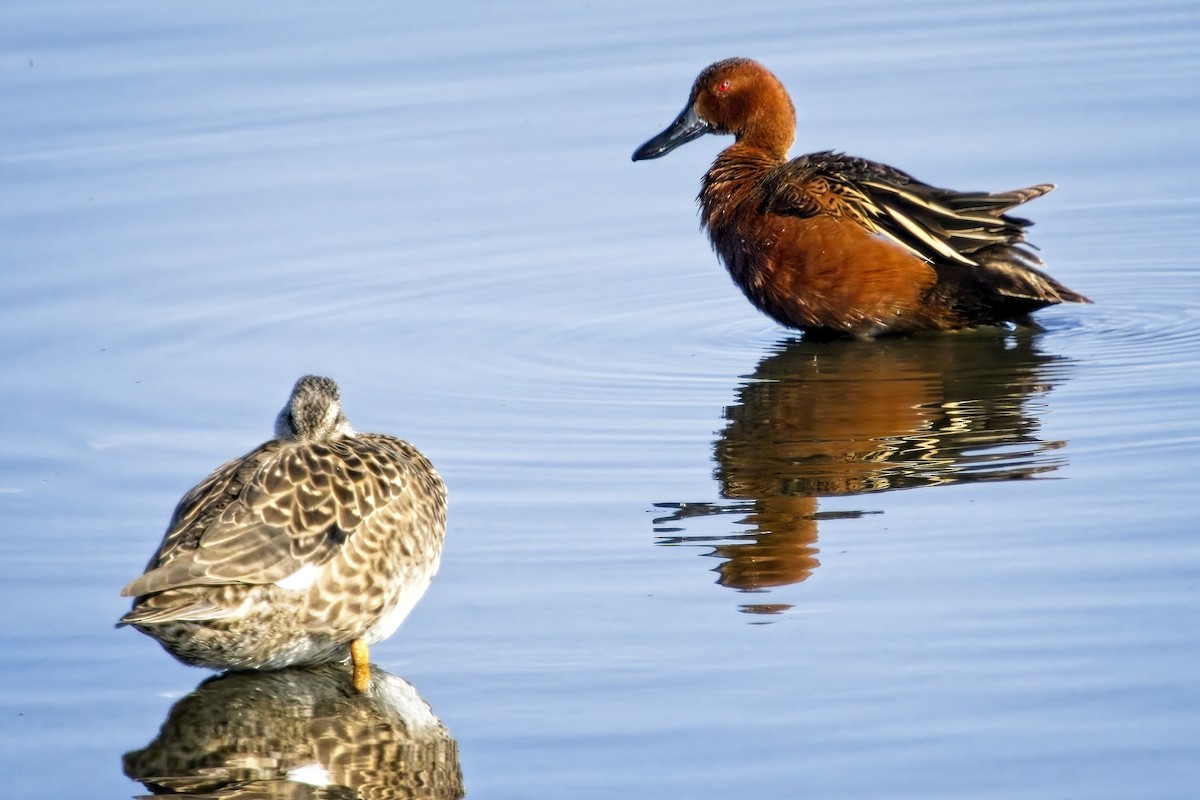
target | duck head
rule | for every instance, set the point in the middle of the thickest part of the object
(736, 96)
(313, 412)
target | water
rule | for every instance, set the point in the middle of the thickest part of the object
(688, 555)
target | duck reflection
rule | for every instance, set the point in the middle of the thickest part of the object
(825, 419)
(300, 733)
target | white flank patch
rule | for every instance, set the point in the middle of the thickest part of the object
(300, 579)
(411, 590)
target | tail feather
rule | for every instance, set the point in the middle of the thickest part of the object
(157, 610)
(1005, 285)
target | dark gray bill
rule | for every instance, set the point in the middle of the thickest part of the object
(687, 126)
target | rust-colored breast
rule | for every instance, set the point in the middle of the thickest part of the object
(794, 237)
(826, 272)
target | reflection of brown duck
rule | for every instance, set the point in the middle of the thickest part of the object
(846, 418)
(300, 733)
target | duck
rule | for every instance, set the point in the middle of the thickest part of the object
(840, 246)
(306, 550)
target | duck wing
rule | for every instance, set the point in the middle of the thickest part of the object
(937, 225)
(280, 509)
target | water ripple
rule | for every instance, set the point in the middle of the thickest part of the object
(1158, 326)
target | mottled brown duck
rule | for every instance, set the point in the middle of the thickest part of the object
(305, 550)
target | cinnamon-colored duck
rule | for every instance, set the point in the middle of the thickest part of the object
(833, 244)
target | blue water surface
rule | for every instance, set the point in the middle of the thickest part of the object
(689, 555)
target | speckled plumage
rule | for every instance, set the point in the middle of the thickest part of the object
(315, 539)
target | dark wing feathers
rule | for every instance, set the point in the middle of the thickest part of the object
(263, 517)
(935, 224)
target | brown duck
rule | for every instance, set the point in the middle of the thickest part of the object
(832, 244)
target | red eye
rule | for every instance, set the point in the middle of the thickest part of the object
(723, 87)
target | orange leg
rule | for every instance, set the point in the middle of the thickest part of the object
(362, 666)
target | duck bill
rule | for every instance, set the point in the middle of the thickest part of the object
(687, 126)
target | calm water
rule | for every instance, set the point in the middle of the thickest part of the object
(689, 555)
